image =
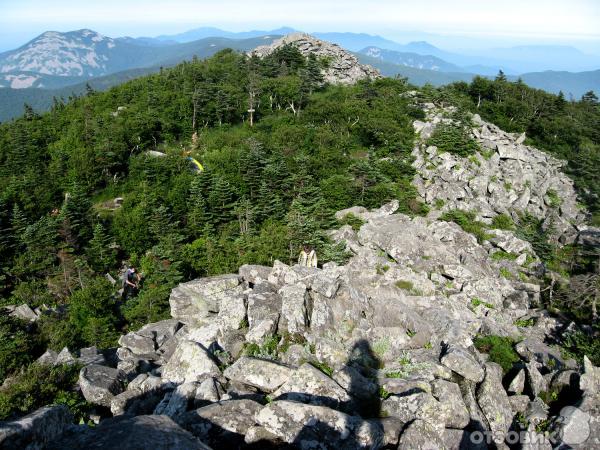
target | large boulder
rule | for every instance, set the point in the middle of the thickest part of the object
(296, 308)
(99, 384)
(305, 425)
(493, 401)
(132, 433)
(263, 374)
(35, 430)
(197, 301)
(452, 406)
(421, 435)
(190, 362)
(222, 424)
(460, 361)
(309, 385)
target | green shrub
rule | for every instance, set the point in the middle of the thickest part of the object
(467, 221)
(500, 350)
(501, 255)
(503, 222)
(36, 386)
(453, 138)
(352, 220)
(323, 367)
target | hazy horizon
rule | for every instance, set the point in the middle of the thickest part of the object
(465, 24)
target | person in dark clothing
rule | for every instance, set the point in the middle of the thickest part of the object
(131, 283)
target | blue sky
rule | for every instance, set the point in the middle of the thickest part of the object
(480, 21)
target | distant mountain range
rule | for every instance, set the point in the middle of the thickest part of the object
(59, 64)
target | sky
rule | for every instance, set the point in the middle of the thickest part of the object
(458, 22)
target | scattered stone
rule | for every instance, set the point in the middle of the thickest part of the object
(452, 406)
(493, 401)
(421, 435)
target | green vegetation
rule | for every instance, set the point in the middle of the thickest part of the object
(500, 349)
(466, 220)
(525, 322)
(501, 255)
(352, 220)
(453, 138)
(323, 367)
(502, 222)
(37, 386)
(555, 200)
(475, 302)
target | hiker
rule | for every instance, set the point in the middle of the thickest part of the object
(308, 257)
(131, 283)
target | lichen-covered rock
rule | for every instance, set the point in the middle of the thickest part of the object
(517, 385)
(190, 362)
(420, 405)
(133, 433)
(305, 425)
(459, 360)
(263, 374)
(35, 430)
(452, 406)
(254, 274)
(197, 301)
(421, 435)
(308, 384)
(222, 424)
(296, 308)
(493, 401)
(99, 384)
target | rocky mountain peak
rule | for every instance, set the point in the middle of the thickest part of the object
(76, 53)
(343, 68)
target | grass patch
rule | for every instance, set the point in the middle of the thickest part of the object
(381, 269)
(475, 302)
(553, 198)
(506, 273)
(523, 323)
(406, 285)
(503, 222)
(501, 255)
(500, 350)
(323, 368)
(466, 220)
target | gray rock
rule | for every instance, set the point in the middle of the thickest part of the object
(420, 405)
(64, 357)
(462, 440)
(535, 380)
(99, 384)
(160, 332)
(35, 430)
(263, 306)
(135, 433)
(308, 384)
(421, 435)
(452, 406)
(181, 398)
(519, 403)
(392, 428)
(493, 401)
(48, 358)
(254, 274)
(304, 425)
(139, 345)
(232, 313)
(262, 374)
(343, 68)
(197, 301)
(91, 355)
(517, 385)
(261, 330)
(208, 391)
(222, 424)
(24, 312)
(460, 361)
(190, 362)
(296, 308)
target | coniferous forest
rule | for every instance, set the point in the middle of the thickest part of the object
(104, 180)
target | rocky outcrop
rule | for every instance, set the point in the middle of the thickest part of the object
(342, 66)
(35, 430)
(377, 352)
(504, 177)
